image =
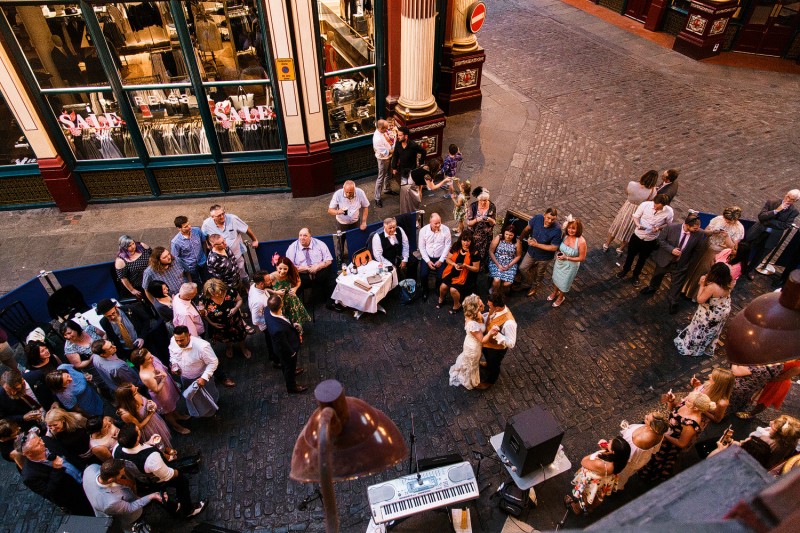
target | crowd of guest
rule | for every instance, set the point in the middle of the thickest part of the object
(103, 417)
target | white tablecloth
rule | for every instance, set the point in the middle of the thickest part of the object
(352, 296)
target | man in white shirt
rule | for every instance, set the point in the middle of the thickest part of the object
(434, 244)
(383, 143)
(108, 490)
(232, 228)
(313, 259)
(500, 335)
(257, 299)
(390, 246)
(649, 218)
(345, 206)
(144, 463)
(193, 359)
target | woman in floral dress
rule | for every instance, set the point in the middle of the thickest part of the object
(466, 370)
(481, 218)
(750, 380)
(505, 254)
(598, 475)
(685, 422)
(286, 283)
(225, 321)
(714, 305)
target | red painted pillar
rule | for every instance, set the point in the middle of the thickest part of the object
(392, 21)
(62, 185)
(656, 14)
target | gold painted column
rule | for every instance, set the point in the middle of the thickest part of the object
(463, 40)
(462, 62)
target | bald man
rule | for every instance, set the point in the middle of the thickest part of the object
(313, 259)
(434, 245)
(345, 206)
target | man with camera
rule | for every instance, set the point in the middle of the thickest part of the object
(345, 206)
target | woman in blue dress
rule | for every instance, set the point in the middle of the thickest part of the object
(505, 253)
(571, 254)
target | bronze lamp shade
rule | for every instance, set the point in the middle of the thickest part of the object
(767, 330)
(345, 438)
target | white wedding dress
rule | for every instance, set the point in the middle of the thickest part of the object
(466, 370)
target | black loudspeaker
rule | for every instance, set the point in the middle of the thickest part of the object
(531, 439)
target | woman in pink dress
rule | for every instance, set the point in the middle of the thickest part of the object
(735, 258)
(141, 412)
(163, 390)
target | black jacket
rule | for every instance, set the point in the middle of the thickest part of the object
(56, 485)
(777, 223)
(407, 158)
(285, 339)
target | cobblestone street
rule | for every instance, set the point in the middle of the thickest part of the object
(573, 109)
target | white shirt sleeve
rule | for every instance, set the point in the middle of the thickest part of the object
(448, 242)
(155, 465)
(362, 198)
(334, 200)
(508, 334)
(377, 248)
(210, 359)
(405, 245)
(424, 233)
(670, 214)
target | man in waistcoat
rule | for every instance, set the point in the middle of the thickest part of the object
(501, 334)
(390, 246)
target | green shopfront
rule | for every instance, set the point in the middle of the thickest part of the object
(167, 99)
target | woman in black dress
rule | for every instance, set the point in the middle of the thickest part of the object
(224, 317)
(132, 260)
(459, 273)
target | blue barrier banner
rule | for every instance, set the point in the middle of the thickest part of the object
(266, 250)
(357, 239)
(408, 222)
(790, 253)
(96, 282)
(33, 297)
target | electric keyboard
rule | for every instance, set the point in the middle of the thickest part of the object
(407, 495)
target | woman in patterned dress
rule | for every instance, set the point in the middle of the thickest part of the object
(286, 283)
(571, 253)
(505, 254)
(750, 380)
(724, 232)
(597, 477)
(481, 218)
(636, 193)
(132, 260)
(78, 350)
(225, 321)
(714, 305)
(685, 421)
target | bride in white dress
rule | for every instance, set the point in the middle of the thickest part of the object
(466, 370)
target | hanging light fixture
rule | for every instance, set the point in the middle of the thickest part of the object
(767, 330)
(345, 438)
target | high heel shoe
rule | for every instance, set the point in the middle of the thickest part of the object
(605, 248)
(558, 302)
(551, 297)
(439, 304)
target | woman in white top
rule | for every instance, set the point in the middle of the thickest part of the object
(637, 192)
(645, 440)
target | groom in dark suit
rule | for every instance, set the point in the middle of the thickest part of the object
(676, 246)
(286, 342)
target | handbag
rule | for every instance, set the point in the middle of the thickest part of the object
(242, 99)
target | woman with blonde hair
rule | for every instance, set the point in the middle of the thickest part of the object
(571, 253)
(466, 370)
(69, 429)
(645, 441)
(481, 218)
(718, 388)
(779, 440)
(225, 321)
(685, 425)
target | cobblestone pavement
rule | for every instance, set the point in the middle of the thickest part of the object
(573, 108)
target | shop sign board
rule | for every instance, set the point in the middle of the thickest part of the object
(476, 16)
(285, 69)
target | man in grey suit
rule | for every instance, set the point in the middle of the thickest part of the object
(676, 245)
(775, 217)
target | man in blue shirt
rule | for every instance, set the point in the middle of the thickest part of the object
(544, 237)
(187, 249)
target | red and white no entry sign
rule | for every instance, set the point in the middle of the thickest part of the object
(476, 15)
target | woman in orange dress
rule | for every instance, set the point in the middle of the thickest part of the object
(775, 390)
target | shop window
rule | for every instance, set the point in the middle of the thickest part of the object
(244, 117)
(14, 148)
(92, 124)
(347, 37)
